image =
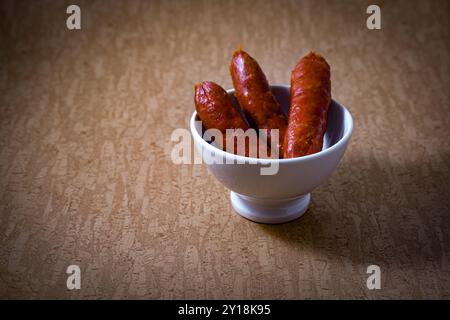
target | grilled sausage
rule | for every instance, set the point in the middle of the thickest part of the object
(253, 93)
(310, 101)
(216, 110)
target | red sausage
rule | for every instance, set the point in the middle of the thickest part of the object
(216, 110)
(310, 101)
(253, 93)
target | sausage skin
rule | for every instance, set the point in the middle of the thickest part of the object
(255, 98)
(216, 110)
(310, 101)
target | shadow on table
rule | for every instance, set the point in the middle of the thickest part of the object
(367, 211)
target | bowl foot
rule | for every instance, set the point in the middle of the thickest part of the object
(270, 211)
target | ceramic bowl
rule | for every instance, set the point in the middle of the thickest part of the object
(276, 190)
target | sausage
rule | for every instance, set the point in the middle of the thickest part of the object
(310, 101)
(216, 110)
(255, 98)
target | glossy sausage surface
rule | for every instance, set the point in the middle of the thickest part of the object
(255, 98)
(216, 110)
(310, 101)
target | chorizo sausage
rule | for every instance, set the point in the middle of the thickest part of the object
(255, 98)
(310, 101)
(216, 110)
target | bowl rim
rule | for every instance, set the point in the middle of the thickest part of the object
(342, 141)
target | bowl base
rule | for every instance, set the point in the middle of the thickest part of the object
(270, 211)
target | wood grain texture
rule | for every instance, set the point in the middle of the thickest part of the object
(86, 176)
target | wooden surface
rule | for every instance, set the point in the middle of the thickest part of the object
(86, 176)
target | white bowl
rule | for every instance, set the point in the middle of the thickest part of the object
(284, 196)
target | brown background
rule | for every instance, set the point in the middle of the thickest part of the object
(86, 176)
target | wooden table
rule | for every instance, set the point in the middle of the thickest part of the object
(86, 176)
